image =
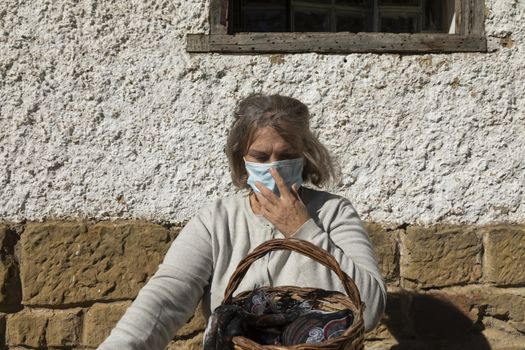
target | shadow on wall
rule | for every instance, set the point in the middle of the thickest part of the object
(426, 321)
(11, 293)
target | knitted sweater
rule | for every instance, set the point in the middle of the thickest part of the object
(202, 258)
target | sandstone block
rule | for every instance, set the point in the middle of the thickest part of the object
(436, 257)
(193, 343)
(175, 230)
(64, 328)
(381, 332)
(100, 320)
(479, 302)
(519, 326)
(431, 315)
(500, 335)
(44, 328)
(385, 246)
(28, 328)
(504, 259)
(197, 323)
(70, 262)
(10, 289)
(507, 304)
(440, 315)
(397, 318)
(380, 344)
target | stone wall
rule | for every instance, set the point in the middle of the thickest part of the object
(64, 284)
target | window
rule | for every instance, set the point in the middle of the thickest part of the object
(343, 26)
(391, 16)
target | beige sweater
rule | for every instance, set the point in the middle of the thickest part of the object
(201, 260)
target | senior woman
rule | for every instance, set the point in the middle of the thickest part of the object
(271, 152)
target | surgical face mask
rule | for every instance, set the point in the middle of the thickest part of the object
(291, 170)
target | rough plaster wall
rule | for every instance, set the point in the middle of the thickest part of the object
(103, 114)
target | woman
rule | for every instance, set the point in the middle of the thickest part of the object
(271, 151)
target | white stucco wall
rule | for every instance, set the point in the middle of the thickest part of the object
(103, 114)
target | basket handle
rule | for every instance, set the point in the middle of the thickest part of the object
(297, 245)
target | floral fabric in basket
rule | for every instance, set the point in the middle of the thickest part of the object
(269, 319)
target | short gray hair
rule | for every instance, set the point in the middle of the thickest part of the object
(291, 119)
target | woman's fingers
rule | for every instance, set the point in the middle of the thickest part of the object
(265, 196)
(295, 192)
(281, 185)
(287, 212)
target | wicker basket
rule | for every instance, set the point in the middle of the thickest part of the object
(351, 339)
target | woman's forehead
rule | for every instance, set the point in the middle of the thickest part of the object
(268, 138)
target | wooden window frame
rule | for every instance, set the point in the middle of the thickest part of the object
(469, 37)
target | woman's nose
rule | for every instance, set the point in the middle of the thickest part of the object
(274, 158)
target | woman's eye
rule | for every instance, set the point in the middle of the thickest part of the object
(259, 157)
(289, 156)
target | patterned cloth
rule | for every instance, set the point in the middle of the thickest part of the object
(274, 321)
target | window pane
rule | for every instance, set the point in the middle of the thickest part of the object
(355, 3)
(265, 20)
(400, 2)
(311, 20)
(433, 16)
(265, 2)
(350, 23)
(324, 2)
(398, 23)
(393, 16)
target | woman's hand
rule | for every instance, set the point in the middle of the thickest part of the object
(287, 212)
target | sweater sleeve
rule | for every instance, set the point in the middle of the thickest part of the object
(170, 297)
(347, 240)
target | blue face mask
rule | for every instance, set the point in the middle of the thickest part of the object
(291, 170)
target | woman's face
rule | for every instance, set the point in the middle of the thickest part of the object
(268, 147)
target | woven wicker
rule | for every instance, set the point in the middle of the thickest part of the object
(351, 339)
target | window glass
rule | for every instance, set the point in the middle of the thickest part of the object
(401, 2)
(362, 3)
(350, 22)
(399, 23)
(279, 3)
(434, 12)
(319, 2)
(265, 20)
(392, 16)
(311, 20)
